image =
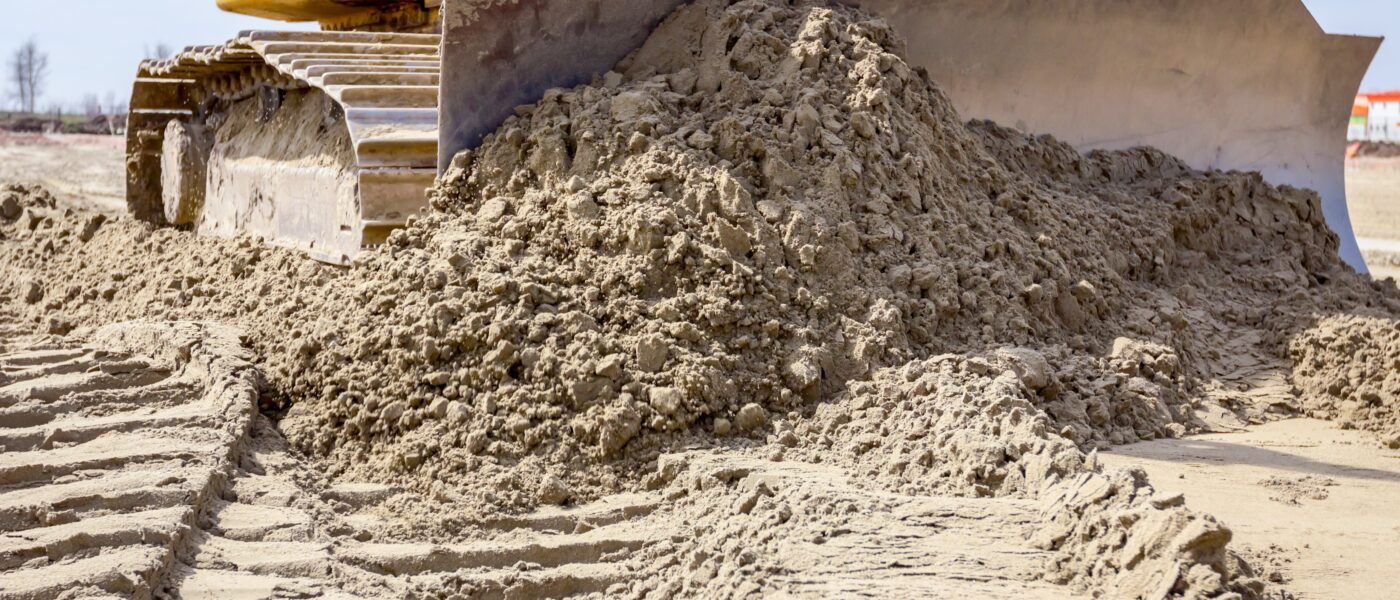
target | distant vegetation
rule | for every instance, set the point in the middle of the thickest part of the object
(26, 78)
(28, 72)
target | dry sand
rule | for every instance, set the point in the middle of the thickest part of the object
(761, 288)
(1373, 197)
(81, 170)
(1347, 369)
(1315, 504)
(126, 474)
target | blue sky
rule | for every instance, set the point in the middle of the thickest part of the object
(94, 45)
(1367, 17)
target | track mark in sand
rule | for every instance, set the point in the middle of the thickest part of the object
(277, 533)
(151, 475)
(889, 545)
(112, 446)
(111, 452)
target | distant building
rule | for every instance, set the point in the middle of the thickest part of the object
(1375, 117)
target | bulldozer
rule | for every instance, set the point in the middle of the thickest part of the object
(326, 141)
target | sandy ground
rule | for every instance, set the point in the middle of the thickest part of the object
(1314, 502)
(125, 449)
(79, 169)
(87, 170)
(1373, 197)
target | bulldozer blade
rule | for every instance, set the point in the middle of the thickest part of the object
(1252, 85)
(499, 55)
(1247, 85)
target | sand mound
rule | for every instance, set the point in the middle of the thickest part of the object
(19, 200)
(1348, 367)
(766, 226)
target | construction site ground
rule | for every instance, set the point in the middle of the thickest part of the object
(1305, 499)
(1373, 196)
(181, 486)
(1311, 502)
(713, 326)
(87, 171)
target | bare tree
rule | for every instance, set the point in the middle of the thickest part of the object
(92, 106)
(29, 72)
(160, 50)
(15, 76)
(115, 107)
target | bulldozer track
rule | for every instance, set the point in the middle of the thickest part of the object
(386, 84)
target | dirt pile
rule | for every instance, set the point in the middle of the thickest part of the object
(1374, 150)
(1348, 368)
(763, 220)
(99, 125)
(765, 226)
(971, 426)
(30, 211)
(29, 201)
